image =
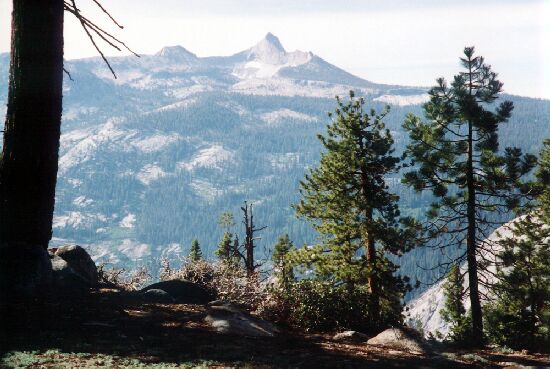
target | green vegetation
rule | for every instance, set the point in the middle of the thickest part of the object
(456, 157)
(454, 312)
(196, 252)
(347, 200)
(521, 315)
(282, 268)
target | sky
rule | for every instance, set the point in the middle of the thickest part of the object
(385, 41)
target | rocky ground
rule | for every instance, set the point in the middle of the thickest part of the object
(115, 329)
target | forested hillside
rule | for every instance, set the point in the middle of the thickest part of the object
(148, 162)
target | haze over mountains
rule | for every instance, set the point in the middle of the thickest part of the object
(148, 161)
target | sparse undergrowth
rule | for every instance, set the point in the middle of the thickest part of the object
(57, 359)
(110, 328)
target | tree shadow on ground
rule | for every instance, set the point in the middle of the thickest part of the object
(118, 323)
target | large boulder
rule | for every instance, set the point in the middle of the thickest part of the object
(80, 261)
(66, 280)
(25, 272)
(229, 319)
(183, 292)
(403, 339)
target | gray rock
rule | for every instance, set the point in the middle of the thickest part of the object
(25, 272)
(65, 279)
(159, 296)
(404, 339)
(350, 336)
(80, 261)
(229, 319)
(183, 292)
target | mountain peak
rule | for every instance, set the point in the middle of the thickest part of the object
(268, 50)
(176, 52)
(274, 41)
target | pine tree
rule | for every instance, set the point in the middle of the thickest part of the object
(454, 312)
(457, 158)
(226, 221)
(521, 316)
(347, 200)
(195, 254)
(281, 266)
(236, 255)
(28, 163)
(224, 248)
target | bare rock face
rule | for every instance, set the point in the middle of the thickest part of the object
(350, 336)
(229, 319)
(80, 261)
(403, 339)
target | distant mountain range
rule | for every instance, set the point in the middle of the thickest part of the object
(149, 160)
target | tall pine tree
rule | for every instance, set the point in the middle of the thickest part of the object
(347, 200)
(457, 157)
(520, 318)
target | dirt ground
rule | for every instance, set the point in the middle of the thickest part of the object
(109, 328)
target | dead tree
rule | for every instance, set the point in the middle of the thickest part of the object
(250, 230)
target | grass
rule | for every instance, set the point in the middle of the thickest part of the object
(58, 359)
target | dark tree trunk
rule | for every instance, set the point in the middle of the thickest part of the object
(250, 230)
(28, 164)
(249, 239)
(370, 251)
(477, 317)
(374, 286)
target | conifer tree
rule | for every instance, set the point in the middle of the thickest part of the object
(281, 266)
(520, 318)
(236, 255)
(196, 253)
(454, 312)
(224, 248)
(456, 153)
(347, 200)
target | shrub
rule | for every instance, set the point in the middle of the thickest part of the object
(121, 278)
(225, 279)
(319, 305)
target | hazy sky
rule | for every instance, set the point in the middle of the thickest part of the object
(402, 41)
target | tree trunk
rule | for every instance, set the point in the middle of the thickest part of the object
(28, 164)
(477, 318)
(372, 279)
(249, 239)
(370, 250)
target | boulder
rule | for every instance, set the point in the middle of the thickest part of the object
(66, 280)
(350, 336)
(25, 272)
(80, 261)
(403, 339)
(183, 292)
(229, 319)
(155, 295)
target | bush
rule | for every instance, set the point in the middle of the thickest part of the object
(225, 279)
(121, 278)
(506, 326)
(321, 306)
